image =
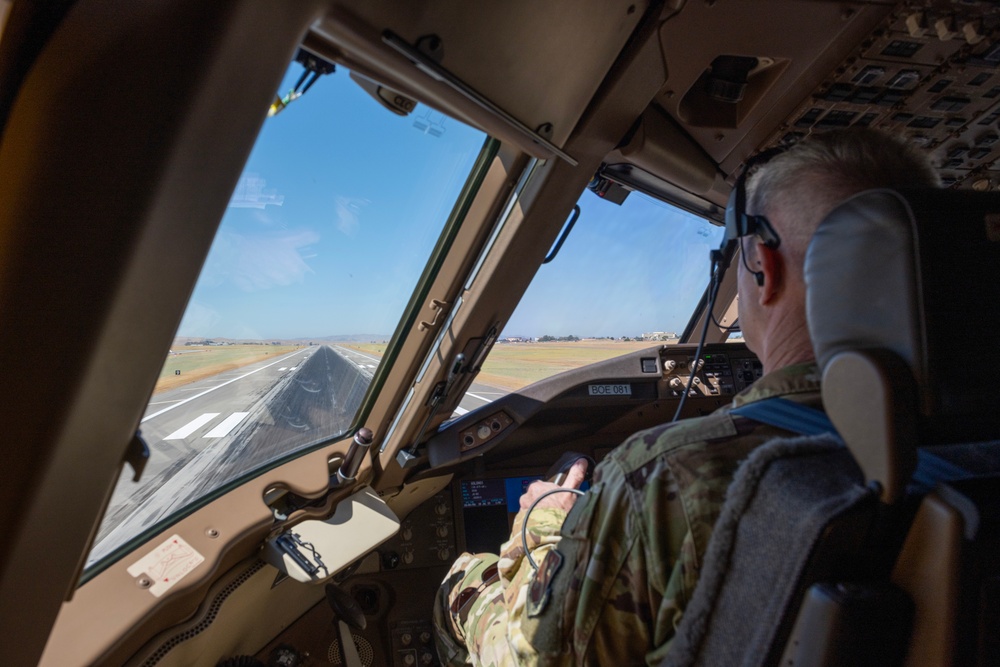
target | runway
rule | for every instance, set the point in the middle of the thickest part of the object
(208, 433)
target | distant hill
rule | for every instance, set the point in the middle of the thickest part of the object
(350, 338)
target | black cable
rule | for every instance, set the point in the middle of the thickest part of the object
(713, 293)
(524, 525)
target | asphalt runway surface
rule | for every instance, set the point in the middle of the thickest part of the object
(209, 432)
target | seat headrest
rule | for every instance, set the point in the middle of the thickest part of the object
(916, 273)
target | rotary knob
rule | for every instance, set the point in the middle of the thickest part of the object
(441, 531)
(444, 553)
(441, 509)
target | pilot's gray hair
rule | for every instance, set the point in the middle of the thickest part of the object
(809, 179)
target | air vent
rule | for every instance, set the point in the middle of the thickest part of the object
(208, 617)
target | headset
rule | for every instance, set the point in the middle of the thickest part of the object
(739, 223)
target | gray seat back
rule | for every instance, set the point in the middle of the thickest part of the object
(788, 497)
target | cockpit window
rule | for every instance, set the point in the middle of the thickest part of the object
(325, 237)
(627, 277)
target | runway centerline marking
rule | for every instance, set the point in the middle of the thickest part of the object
(227, 425)
(191, 398)
(192, 426)
(283, 369)
(162, 402)
(481, 398)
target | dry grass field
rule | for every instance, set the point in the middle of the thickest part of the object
(197, 362)
(515, 365)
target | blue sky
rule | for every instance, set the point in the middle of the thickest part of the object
(341, 203)
(622, 271)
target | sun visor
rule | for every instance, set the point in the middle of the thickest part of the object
(659, 146)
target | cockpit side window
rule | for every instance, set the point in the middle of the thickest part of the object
(627, 277)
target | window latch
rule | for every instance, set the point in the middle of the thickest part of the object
(137, 455)
(438, 307)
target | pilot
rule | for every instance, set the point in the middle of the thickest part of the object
(617, 566)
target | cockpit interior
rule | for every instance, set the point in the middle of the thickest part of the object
(186, 180)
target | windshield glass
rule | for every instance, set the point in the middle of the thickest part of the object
(325, 237)
(627, 277)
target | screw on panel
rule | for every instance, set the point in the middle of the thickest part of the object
(212, 532)
(545, 131)
(431, 46)
(144, 582)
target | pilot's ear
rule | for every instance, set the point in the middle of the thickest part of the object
(772, 267)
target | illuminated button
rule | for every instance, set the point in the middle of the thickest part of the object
(483, 431)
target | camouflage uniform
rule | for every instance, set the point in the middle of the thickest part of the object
(628, 552)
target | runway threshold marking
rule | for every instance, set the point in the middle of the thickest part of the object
(227, 425)
(191, 398)
(192, 426)
(284, 368)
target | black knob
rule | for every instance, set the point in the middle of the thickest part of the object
(390, 560)
(345, 607)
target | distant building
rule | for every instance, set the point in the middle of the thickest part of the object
(659, 335)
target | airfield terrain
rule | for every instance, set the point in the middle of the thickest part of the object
(516, 365)
(235, 408)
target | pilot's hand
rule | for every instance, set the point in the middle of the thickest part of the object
(562, 501)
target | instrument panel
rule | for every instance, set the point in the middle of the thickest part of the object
(495, 453)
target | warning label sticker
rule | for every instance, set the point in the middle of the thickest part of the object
(167, 564)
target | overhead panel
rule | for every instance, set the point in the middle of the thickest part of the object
(793, 49)
(929, 75)
(542, 76)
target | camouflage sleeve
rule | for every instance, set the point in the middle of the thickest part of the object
(544, 525)
(626, 567)
(590, 603)
(481, 598)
